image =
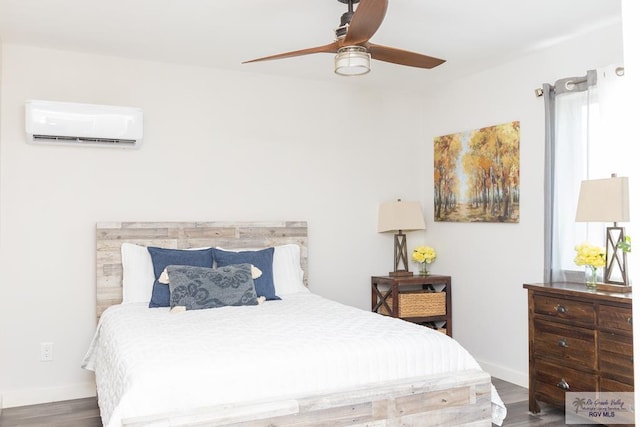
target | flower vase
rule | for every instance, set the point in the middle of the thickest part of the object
(423, 269)
(591, 277)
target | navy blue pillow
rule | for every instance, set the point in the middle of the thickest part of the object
(162, 257)
(263, 259)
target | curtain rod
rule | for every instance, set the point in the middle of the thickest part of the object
(619, 72)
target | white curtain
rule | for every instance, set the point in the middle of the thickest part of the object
(616, 148)
(610, 131)
(586, 140)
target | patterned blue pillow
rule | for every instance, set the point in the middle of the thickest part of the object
(263, 259)
(197, 288)
(162, 257)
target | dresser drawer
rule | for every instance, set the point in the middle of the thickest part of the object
(615, 317)
(579, 341)
(572, 346)
(610, 385)
(616, 356)
(553, 381)
(568, 310)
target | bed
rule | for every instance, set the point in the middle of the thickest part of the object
(297, 360)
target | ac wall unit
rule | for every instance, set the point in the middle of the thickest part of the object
(66, 123)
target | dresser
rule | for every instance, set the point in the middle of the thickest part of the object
(423, 299)
(579, 341)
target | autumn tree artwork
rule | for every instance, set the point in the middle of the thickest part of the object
(476, 175)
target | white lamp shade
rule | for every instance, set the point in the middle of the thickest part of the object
(604, 200)
(405, 216)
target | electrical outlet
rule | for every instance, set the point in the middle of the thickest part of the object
(46, 352)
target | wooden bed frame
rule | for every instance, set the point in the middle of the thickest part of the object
(460, 399)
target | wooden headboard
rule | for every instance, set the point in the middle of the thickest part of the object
(183, 235)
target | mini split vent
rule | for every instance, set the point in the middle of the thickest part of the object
(89, 141)
(64, 123)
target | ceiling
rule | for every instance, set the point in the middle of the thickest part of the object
(471, 35)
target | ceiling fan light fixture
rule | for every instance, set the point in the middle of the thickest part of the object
(352, 61)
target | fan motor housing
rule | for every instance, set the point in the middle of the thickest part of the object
(345, 19)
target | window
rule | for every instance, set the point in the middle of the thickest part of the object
(587, 138)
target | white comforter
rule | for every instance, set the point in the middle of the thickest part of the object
(151, 361)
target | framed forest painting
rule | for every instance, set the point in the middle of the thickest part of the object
(476, 175)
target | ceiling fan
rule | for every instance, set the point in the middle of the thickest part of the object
(352, 46)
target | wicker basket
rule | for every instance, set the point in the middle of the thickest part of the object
(418, 304)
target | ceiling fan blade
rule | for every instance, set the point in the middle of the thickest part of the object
(402, 57)
(365, 21)
(329, 48)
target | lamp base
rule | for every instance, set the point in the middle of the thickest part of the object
(400, 273)
(615, 271)
(608, 287)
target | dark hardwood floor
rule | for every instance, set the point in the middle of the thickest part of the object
(516, 399)
(85, 413)
(71, 413)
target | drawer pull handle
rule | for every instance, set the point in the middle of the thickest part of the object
(629, 321)
(563, 384)
(561, 309)
(563, 343)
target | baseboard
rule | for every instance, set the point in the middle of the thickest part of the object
(25, 397)
(509, 375)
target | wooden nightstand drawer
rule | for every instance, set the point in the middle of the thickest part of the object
(614, 317)
(616, 356)
(564, 309)
(572, 346)
(553, 381)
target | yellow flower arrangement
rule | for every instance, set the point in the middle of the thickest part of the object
(590, 255)
(424, 254)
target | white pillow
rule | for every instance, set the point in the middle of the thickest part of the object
(287, 273)
(137, 273)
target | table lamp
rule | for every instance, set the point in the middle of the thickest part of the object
(399, 217)
(607, 200)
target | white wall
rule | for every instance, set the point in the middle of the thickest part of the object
(490, 262)
(225, 146)
(218, 146)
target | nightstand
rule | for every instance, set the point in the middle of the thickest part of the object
(419, 299)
